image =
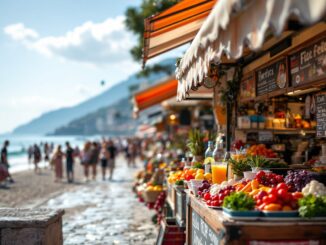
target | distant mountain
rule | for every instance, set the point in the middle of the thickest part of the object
(48, 122)
(111, 120)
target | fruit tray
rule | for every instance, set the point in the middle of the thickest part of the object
(214, 207)
(251, 214)
(281, 214)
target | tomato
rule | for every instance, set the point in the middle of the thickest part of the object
(214, 203)
(221, 196)
(266, 200)
(282, 186)
(259, 202)
(261, 194)
(215, 198)
(260, 174)
(209, 203)
(297, 195)
(272, 191)
(207, 196)
(279, 178)
(287, 198)
(272, 207)
(272, 198)
(282, 193)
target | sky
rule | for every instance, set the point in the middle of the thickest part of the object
(54, 53)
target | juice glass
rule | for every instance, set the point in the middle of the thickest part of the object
(219, 170)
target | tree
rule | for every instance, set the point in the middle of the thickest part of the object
(135, 22)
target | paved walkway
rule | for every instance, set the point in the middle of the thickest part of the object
(103, 212)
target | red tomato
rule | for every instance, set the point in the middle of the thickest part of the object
(272, 191)
(282, 186)
(260, 174)
(272, 198)
(297, 195)
(259, 202)
(207, 196)
(214, 203)
(209, 203)
(215, 198)
(279, 178)
(282, 193)
(266, 200)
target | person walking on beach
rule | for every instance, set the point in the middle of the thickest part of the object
(104, 156)
(95, 153)
(37, 158)
(57, 162)
(112, 154)
(69, 162)
(46, 151)
(4, 159)
(30, 154)
(85, 159)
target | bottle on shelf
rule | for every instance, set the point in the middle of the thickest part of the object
(208, 154)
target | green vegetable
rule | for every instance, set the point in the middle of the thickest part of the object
(239, 201)
(198, 165)
(179, 182)
(256, 161)
(312, 206)
(239, 166)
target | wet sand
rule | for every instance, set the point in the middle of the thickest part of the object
(33, 190)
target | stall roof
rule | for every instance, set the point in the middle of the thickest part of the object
(155, 94)
(174, 26)
(232, 25)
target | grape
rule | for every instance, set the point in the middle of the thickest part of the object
(296, 180)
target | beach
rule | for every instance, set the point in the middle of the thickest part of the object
(96, 212)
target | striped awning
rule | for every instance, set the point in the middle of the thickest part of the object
(155, 94)
(235, 24)
(174, 27)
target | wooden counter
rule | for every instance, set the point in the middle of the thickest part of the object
(210, 226)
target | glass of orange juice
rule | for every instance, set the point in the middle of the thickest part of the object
(219, 170)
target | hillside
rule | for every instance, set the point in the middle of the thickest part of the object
(52, 120)
(112, 120)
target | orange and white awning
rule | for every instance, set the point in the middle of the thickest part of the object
(233, 25)
(155, 94)
(174, 27)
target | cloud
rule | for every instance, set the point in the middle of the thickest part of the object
(19, 32)
(107, 42)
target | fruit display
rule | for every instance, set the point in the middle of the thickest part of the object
(189, 174)
(298, 179)
(269, 179)
(261, 150)
(217, 199)
(277, 199)
(203, 188)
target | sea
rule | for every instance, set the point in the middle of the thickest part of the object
(17, 150)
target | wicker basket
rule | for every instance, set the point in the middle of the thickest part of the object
(151, 196)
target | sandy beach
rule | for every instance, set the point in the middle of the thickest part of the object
(32, 190)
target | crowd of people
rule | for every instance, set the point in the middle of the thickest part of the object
(60, 158)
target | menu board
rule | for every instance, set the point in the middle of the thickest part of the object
(247, 88)
(201, 232)
(321, 115)
(308, 64)
(271, 78)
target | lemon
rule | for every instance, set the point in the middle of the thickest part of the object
(199, 176)
(209, 160)
(208, 176)
(200, 171)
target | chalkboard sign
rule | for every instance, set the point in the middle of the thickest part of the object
(308, 64)
(271, 78)
(321, 115)
(201, 232)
